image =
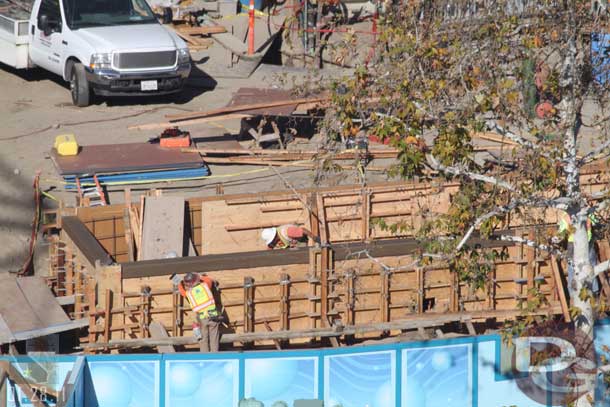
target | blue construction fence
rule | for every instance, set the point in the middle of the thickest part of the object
(460, 372)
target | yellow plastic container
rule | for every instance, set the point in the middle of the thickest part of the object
(66, 144)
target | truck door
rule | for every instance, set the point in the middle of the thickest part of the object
(46, 36)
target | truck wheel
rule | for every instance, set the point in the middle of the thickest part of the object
(79, 87)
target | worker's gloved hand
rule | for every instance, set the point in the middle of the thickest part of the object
(555, 240)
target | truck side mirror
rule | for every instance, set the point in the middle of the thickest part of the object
(43, 25)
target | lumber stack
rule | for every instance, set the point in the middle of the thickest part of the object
(198, 38)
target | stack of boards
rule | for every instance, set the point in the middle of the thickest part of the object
(129, 163)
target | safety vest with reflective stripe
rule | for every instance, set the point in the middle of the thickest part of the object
(285, 241)
(201, 300)
(565, 225)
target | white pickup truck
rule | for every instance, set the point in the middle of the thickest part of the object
(102, 47)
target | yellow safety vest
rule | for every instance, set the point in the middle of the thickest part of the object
(201, 300)
(282, 233)
(565, 224)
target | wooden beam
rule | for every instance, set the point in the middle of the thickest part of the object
(85, 241)
(157, 331)
(428, 321)
(240, 108)
(269, 258)
(164, 125)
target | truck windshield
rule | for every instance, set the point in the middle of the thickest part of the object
(101, 13)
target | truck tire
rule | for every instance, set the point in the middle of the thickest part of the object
(79, 86)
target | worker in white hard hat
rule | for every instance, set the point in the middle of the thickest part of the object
(285, 236)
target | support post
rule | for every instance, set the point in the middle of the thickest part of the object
(366, 215)
(69, 267)
(248, 304)
(284, 302)
(350, 305)
(531, 267)
(419, 272)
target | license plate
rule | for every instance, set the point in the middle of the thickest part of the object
(148, 85)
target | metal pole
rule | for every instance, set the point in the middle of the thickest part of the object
(251, 29)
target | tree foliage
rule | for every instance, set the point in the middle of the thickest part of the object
(445, 72)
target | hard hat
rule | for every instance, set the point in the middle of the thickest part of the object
(268, 235)
(191, 278)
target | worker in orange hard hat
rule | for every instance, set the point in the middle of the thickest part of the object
(198, 290)
(286, 236)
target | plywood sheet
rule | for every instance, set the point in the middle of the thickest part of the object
(163, 230)
(113, 158)
(27, 304)
(42, 301)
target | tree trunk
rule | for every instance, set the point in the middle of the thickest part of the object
(581, 283)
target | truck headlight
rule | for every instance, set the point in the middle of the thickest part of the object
(101, 61)
(184, 56)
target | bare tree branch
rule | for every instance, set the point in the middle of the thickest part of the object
(531, 243)
(463, 172)
(491, 125)
(596, 154)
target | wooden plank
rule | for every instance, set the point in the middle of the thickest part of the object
(206, 30)
(23, 384)
(164, 125)
(163, 230)
(157, 331)
(240, 108)
(128, 233)
(561, 292)
(14, 307)
(604, 252)
(415, 323)
(108, 315)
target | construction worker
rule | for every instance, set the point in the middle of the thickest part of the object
(565, 226)
(198, 292)
(285, 236)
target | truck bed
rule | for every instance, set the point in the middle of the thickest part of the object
(14, 17)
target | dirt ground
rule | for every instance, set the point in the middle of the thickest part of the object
(36, 107)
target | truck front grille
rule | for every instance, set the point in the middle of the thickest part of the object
(144, 60)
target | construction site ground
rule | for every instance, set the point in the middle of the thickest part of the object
(36, 107)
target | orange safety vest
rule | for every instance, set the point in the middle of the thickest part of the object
(201, 300)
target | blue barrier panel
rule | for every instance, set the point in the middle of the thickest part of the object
(126, 381)
(437, 376)
(360, 379)
(281, 379)
(462, 372)
(198, 381)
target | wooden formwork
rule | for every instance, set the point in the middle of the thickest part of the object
(353, 291)
(320, 288)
